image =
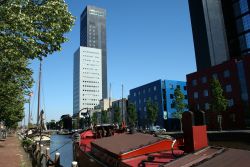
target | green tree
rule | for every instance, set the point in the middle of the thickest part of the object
(15, 78)
(117, 115)
(94, 118)
(152, 112)
(179, 105)
(218, 102)
(51, 124)
(132, 114)
(28, 29)
(33, 29)
(104, 116)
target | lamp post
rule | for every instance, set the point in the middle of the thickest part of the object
(30, 94)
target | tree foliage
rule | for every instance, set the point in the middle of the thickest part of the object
(15, 78)
(94, 118)
(28, 29)
(152, 112)
(104, 116)
(132, 114)
(219, 102)
(117, 115)
(33, 29)
(179, 104)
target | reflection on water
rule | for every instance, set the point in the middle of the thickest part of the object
(66, 153)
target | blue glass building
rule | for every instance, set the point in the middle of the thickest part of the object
(160, 92)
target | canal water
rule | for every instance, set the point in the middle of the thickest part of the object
(64, 145)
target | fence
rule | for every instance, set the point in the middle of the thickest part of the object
(41, 157)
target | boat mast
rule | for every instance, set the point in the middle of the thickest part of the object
(39, 88)
(122, 104)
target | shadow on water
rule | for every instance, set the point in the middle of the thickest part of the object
(66, 152)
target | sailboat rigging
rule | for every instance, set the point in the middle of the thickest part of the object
(39, 133)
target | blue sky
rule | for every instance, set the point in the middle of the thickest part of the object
(146, 40)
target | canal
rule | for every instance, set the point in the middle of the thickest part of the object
(64, 145)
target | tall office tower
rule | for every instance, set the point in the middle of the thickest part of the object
(220, 30)
(87, 79)
(93, 35)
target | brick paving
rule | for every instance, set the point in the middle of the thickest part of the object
(12, 154)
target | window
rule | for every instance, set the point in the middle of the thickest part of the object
(197, 106)
(206, 106)
(226, 73)
(194, 82)
(230, 102)
(134, 94)
(204, 79)
(178, 86)
(171, 86)
(145, 109)
(148, 89)
(155, 97)
(205, 93)
(144, 100)
(228, 88)
(196, 95)
(171, 96)
(215, 76)
(172, 105)
(154, 88)
(143, 91)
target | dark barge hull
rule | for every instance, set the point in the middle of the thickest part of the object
(84, 159)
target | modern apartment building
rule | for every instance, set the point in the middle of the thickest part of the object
(122, 104)
(87, 85)
(160, 92)
(93, 35)
(235, 89)
(221, 30)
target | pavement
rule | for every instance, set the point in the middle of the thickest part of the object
(12, 154)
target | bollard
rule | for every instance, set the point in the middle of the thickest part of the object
(47, 154)
(37, 153)
(41, 149)
(74, 164)
(37, 146)
(57, 159)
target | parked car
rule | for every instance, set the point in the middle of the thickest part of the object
(157, 129)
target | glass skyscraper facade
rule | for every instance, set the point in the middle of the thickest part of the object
(242, 22)
(93, 35)
(221, 30)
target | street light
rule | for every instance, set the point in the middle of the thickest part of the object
(29, 117)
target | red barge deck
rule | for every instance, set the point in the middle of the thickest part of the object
(103, 147)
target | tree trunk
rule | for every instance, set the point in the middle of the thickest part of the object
(220, 121)
(180, 124)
